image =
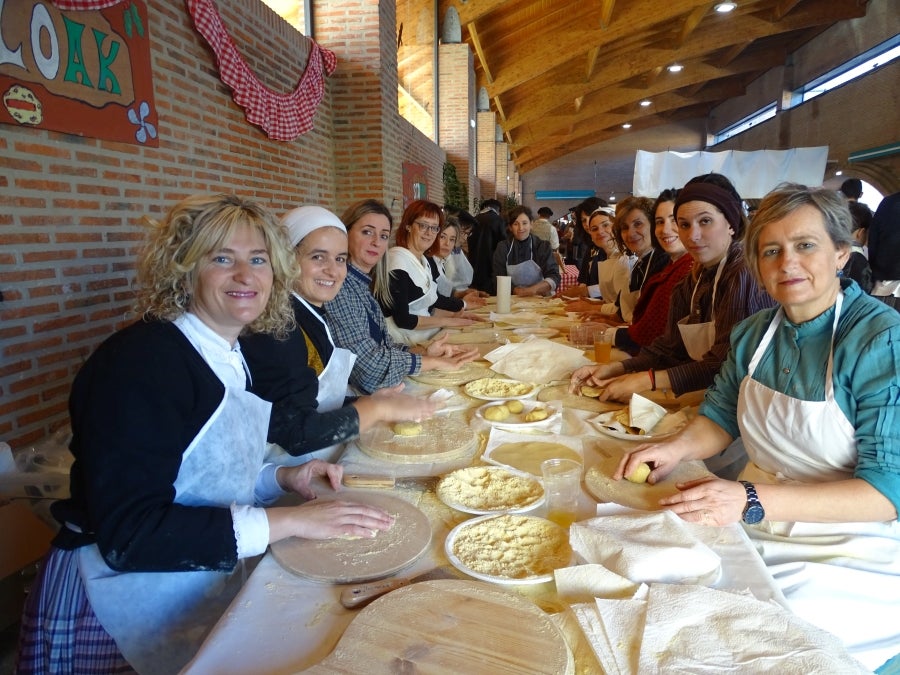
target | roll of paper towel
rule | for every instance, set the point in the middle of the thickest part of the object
(504, 286)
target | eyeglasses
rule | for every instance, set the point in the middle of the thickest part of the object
(428, 227)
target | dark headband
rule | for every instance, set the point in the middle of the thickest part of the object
(715, 195)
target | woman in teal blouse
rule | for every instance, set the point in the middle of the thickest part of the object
(813, 389)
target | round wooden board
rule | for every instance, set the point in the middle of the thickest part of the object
(636, 495)
(443, 437)
(453, 378)
(450, 626)
(345, 561)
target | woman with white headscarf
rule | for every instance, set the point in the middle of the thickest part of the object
(306, 376)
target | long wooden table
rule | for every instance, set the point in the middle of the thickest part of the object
(284, 623)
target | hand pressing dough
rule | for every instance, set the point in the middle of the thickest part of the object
(407, 428)
(592, 392)
(639, 475)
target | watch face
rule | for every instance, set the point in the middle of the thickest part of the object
(753, 514)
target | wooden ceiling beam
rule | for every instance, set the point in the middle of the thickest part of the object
(691, 21)
(606, 11)
(476, 42)
(783, 7)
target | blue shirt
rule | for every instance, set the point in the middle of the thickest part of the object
(357, 323)
(866, 376)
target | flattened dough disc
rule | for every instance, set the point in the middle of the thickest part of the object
(443, 437)
(452, 378)
(346, 561)
(636, 495)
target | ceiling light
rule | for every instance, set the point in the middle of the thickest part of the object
(627, 125)
(676, 68)
(645, 103)
(838, 173)
(725, 7)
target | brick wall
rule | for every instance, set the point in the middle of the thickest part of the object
(70, 223)
(457, 107)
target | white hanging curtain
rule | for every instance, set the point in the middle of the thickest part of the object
(753, 173)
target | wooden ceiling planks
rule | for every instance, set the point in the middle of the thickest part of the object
(565, 74)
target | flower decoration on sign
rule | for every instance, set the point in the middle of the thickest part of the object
(146, 129)
(283, 117)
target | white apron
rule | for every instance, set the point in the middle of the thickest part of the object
(444, 285)
(420, 273)
(333, 390)
(526, 273)
(698, 338)
(159, 619)
(458, 270)
(628, 299)
(843, 577)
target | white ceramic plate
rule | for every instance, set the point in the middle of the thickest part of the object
(516, 421)
(671, 424)
(462, 567)
(498, 472)
(470, 389)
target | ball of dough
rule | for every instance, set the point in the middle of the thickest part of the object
(496, 413)
(515, 407)
(407, 428)
(639, 475)
(536, 415)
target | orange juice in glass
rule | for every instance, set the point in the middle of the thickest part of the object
(603, 347)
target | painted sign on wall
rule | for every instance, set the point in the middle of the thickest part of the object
(415, 182)
(85, 73)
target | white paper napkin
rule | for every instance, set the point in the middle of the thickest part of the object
(644, 413)
(646, 547)
(536, 360)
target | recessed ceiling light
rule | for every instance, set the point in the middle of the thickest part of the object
(676, 68)
(725, 7)
(627, 125)
(645, 103)
(838, 173)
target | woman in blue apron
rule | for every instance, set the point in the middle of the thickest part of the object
(306, 376)
(704, 307)
(811, 388)
(414, 310)
(169, 487)
(528, 260)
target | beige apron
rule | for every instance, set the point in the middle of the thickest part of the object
(698, 338)
(420, 273)
(843, 577)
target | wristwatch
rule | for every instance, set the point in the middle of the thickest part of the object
(753, 512)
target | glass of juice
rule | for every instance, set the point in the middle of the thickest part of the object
(603, 346)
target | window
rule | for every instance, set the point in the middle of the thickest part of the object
(745, 123)
(862, 65)
(295, 12)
